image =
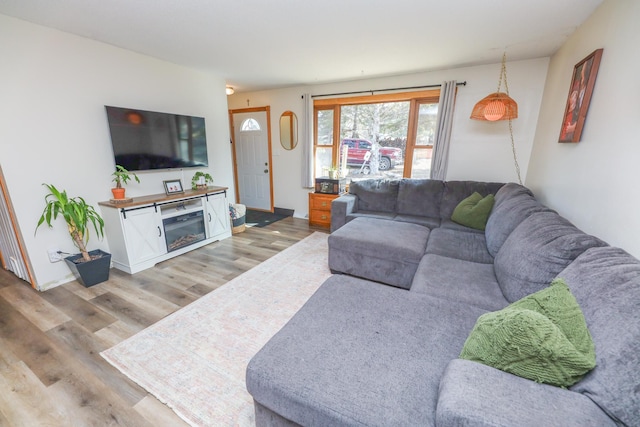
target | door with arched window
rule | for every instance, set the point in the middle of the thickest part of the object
(252, 157)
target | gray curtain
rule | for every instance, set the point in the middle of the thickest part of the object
(440, 157)
(307, 143)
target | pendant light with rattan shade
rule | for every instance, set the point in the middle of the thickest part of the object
(494, 107)
(498, 105)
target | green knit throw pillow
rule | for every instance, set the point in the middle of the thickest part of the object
(473, 211)
(542, 337)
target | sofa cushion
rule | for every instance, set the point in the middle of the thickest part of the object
(606, 283)
(371, 214)
(420, 197)
(473, 211)
(450, 225)
(473, 394)
(513, 205)
(542, 337)
(457, 280)
(427, 221)
(455, 191)
(536, 251)
(378, 195)
(358, 353)
(459, 244)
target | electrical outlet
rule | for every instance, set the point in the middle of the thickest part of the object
(54, 255)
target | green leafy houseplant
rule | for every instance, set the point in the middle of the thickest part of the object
(196, 179)
(122, 176)
(76, 213)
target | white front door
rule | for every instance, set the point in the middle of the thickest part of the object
(253, 162)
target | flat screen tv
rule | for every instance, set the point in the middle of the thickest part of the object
(146, 140)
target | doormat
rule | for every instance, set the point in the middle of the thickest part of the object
(256, 218)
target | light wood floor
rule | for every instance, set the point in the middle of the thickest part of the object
(51, 371)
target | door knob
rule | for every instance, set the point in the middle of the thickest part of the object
(266, 171)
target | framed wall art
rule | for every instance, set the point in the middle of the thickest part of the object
(582, 83)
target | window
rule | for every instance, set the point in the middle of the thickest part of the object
(425, 134)
(364, 145)
(323, 148)
(387, 135)
(250, 125)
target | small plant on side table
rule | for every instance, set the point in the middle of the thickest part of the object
(200, 180)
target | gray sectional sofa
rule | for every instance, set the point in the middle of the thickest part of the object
(378, 346)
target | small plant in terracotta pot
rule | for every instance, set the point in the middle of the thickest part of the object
(201, 180)
(122, 176)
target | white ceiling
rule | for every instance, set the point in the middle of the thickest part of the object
(260, 44)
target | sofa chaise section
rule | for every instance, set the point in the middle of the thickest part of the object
(358, 354)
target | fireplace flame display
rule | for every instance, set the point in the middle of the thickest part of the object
(184, 230)
(184, 241)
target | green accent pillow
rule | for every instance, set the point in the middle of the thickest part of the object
(542, 337)
(473, 211)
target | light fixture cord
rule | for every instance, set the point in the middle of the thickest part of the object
(513, 148)
(503, 72)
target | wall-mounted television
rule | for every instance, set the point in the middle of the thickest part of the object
(147, 140)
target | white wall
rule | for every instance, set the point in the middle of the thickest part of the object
(54, 129)
(594, 182)
(479, 150)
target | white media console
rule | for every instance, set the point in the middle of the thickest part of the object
(151, 229)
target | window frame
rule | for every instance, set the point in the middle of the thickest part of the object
(415, 99)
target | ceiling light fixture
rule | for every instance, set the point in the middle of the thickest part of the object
(500, 106)
(230, 90)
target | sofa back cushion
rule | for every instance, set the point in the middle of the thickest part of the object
(420, 197)
(606, 284)
(378, 195)
(456, 191)
(510, 190)
(536, 251)
(514, 203)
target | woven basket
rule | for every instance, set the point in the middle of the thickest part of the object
(239, 229)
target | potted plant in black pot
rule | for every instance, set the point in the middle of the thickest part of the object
(90, 267)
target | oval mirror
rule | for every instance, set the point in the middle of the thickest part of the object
(288, 130)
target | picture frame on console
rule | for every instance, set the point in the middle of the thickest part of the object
(173, 186)
(580, 91)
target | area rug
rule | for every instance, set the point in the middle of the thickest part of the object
(194, 360)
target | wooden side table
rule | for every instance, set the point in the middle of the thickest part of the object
(320, 209)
